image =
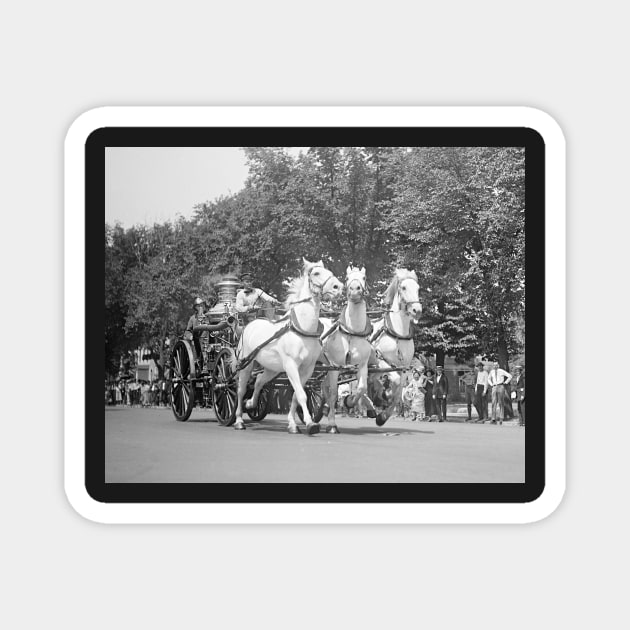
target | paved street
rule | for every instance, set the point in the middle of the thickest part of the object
(149, 445)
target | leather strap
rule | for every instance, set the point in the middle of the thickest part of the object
(365, 333)
(295, 327)
(387, 326)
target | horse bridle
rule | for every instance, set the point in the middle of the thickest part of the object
(313, 285)
(360, 280)
(402, 300)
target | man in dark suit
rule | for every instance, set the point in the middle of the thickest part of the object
(518, 392)
(440, 392)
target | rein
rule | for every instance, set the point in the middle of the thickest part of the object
(293, 325)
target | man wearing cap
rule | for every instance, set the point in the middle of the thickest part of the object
(198, 318)
(518, 392)
(440, 392)
(498, 379)
(248, 296)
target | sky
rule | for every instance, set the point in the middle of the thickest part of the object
(147, 185)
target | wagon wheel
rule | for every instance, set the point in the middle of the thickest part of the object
(224, 388)
(314, 401)
(260, 411)
(182, 380)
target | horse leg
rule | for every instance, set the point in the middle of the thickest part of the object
(332, 379)
(293, 428)
(362, 388)
(296, 379)
(395, 379)
(264, 377)
(243, 378)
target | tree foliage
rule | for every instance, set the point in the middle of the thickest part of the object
(456, 215)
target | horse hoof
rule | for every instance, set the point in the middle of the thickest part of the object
(293, 430)
(371, 413)
(380, 420)
(239, 426)
(312, 429)
(332, 428)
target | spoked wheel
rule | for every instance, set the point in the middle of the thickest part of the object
(314, 402)
(224, 388)
(182, 385)
(260, 411)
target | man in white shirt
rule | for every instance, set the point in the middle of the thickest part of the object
(249, 297)
(498, 379)
(481, 392)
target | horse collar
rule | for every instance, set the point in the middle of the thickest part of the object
(295, 327)
(367, 331)
(387, 326)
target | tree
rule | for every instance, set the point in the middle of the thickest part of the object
(457, 216)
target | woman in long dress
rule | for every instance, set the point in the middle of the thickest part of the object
(415, 392)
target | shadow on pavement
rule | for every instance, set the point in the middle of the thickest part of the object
(280, 426)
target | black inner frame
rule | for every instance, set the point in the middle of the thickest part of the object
(313, 492)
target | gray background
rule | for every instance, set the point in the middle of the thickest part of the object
(60, 59)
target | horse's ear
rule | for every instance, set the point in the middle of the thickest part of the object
(363, 271)
(348, 270)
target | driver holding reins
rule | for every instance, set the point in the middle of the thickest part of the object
(248, 297)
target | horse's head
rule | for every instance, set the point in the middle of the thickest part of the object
(405, 287)
(322, 281)
(356, 286)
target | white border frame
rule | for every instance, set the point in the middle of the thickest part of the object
(346, 513)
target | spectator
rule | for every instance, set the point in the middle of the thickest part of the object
(343, 390)
(440, 393)
(518, 392)
(498, 379)
(154, 393)
(386, 394)
(134, 388)
(164, 392)
(144, 394)
(481, 392)
(470, 380)
(414, 394)
(429, 404)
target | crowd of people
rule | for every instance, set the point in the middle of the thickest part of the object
(140, 393)
(426, 395)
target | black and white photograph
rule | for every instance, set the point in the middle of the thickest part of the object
(316, 314)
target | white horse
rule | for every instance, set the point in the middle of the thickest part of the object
(295, 350)
(345, 343)
(392, 339)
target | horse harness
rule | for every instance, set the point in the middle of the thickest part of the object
(388, 329)
(339, 325)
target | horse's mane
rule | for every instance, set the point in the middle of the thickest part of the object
(392, 289)
(296, 285)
